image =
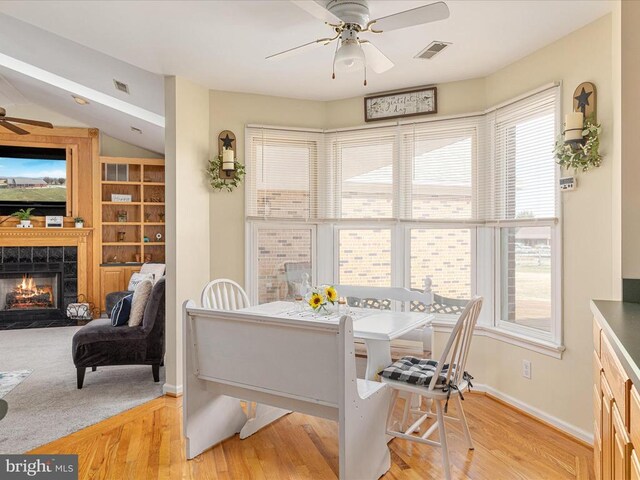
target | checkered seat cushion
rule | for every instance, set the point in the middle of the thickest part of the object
(415, 371)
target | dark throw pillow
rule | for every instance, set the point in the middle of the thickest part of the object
(121, 311)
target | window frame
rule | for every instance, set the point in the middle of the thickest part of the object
(442, 226)
(485, 234)
(554, 335)
(252, 229)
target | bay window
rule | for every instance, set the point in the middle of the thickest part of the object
(470, 203)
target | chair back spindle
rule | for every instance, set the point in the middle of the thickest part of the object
(224, 294)
(456, 350)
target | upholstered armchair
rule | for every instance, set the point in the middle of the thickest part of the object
(99, 344)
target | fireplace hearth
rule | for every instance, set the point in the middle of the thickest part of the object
(36, 285)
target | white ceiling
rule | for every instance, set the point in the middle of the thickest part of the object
(223, 45)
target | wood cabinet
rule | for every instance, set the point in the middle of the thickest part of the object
(130, 197)
(634, 474)
(616, 403)
(114, 279)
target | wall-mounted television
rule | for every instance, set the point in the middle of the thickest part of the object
(33, 177)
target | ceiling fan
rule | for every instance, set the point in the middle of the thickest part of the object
(8, 123)
(350, 18)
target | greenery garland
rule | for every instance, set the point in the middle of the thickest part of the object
(228, 184)
(580, 156)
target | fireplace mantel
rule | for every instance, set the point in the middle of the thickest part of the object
(39, 236)
(54, 237)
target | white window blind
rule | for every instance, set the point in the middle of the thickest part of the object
(363, 162)
(282, 173)
(519, 175)
(441, 158)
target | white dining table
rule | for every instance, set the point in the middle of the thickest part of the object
(376, 327)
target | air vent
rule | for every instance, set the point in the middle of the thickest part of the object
(123, 87)
(432, 50)
(136, 130)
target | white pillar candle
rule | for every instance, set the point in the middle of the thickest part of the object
(573, 125)
(227, 160)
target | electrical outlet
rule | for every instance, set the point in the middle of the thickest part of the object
(526, 369)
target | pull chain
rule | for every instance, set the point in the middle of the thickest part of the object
(365, 75)
(333, 75)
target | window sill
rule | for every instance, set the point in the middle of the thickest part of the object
(441, 324)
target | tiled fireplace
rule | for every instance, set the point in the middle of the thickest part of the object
(36, 285)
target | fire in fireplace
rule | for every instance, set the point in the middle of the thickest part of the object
(29, 294)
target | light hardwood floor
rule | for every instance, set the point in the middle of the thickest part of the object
(146, 443)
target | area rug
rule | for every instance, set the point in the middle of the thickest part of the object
(46, 405)
(10, 380)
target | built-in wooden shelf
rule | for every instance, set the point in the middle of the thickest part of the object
(113, 182)
(143, 179)
(121, 223)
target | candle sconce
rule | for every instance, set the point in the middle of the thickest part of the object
(584, 110)
(224, 171)
(577, 148)
(226, 149)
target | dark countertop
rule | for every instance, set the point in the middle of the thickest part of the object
(620, 322)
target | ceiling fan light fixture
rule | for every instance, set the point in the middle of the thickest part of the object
(350, 57)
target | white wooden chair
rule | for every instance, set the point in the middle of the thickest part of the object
(225, 294)
(455, 354)
(307, 366)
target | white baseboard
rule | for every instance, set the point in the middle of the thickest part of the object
(569, 429)
(172, 390)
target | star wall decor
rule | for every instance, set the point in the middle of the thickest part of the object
(584, 100)
(227, 142)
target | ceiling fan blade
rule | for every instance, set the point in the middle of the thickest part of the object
(317, 10)
(298, 50)
(13, 128)
(376, 60)
(416, 16)
(37, 123)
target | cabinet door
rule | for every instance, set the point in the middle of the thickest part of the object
(607, 432)
(621, 447)
(127, 275)
(111, 280)
(635, 467)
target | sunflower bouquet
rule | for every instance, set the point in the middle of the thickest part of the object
(320, 297)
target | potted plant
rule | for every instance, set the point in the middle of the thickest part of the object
(79, 222)
(24, 216)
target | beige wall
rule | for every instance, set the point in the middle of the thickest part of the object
(109, 146)
(232, 111)
(630, 141)
(31, 110)
(454, 98)
(187, 209)
(112, 147)
(562, 388)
